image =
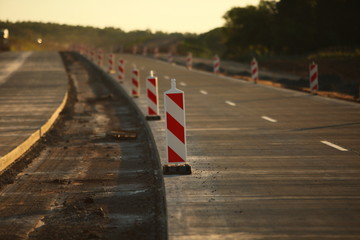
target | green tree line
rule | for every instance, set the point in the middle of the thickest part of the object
(292, 27)
(282, 27)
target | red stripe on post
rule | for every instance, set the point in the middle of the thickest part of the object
(175, 127)
(314, 76)
(151, 112)
(173, 156)
(151, 96)
(135, 82)
(152, 81)
(177, 98)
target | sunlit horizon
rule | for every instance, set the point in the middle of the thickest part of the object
(184, 16)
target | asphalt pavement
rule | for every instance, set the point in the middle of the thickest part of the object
(32, 91)
(268, 163)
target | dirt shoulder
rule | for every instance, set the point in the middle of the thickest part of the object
(83, 181)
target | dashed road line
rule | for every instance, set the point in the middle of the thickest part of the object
(334, 146)
(183, 84)
(230, 103)
(269, 119)
(215, 129)
(166, 77)
(203, 92)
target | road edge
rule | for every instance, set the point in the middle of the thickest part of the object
(8, 159)
(118, 89)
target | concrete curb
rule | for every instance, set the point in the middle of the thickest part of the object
(118, 89)
(8, 159)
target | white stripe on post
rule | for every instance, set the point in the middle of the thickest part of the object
(175, 124)
(152, 97)
(313, 77)
(254, 70)
(135, 83)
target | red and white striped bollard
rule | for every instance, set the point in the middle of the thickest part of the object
(111, 63)
(189, 61)
(135, 82)
(156, 52)
(216, 64)
(313, 77)
(100, 57)
(121, 70)
(176, 151)
(134, 49)
(152, 97)
(254, 70)
(144, 51)
(170, 57)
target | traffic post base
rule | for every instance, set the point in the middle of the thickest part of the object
(153, 117)
(177, 169)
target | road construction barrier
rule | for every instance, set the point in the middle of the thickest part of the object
(144, 51)
(174, 102)
(100, 57)
(313, 77)
(189, 61)
(152, 97)
(111, 63)
(216, 64)
(92, 55)
(135, 82)
(134, 49)
(170, 57)
(254, 70)
(121, 70)
(156, 52)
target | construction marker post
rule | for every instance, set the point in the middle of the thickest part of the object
(170, 57)
(189, 61)
(135, 82)
(152, 97)
(134, 49)
(156, 52)
(144, 51)
(111, 63)
(176, 152)
(313, 78)
(121, 70)
(92, 55)
(100, 57)
(254, 70)
(216, 64)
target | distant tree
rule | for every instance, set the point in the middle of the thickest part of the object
(248, 30)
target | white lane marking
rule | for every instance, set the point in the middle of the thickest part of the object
(203, 92)
(9, 68)
(334, 146)
(183, 84)
(166, 77)
(230, 103)
(215, 129)
(269, 119)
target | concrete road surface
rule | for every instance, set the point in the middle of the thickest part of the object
(32, 87)
(267, 163)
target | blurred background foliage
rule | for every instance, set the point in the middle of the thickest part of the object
(316, 28)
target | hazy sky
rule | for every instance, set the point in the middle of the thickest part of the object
(196, 16)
